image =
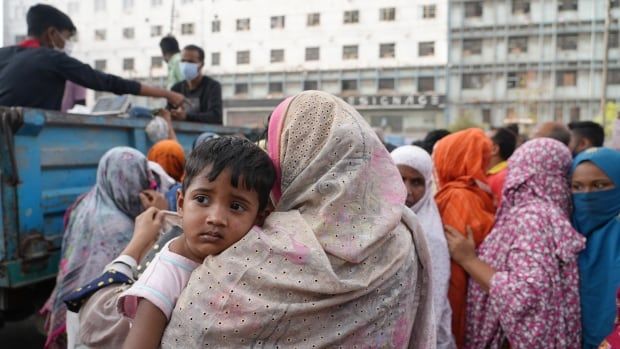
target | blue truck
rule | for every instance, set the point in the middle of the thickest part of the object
(47, 159)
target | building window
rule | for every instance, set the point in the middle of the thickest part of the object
(472, 47)
(613, 77)
(310, 85)
(516, 80)
(429, 11)
(312, 54)
(387, 14)
(243, 57)
(277, 22)
(614, 39)
(100, 64)
(187, 28)
(100, 5)
(157, 2)
(156, 30)
(351, 16)
(387, 84)
(486, 116)
(128, 64)
(472, 81)
(349, 85)
(387, 50)
(349, 52)
(473, 9)
(520, 7)
(127, 4)
(99, 34)
(426, 84)
(276, 87)
(277, 56)
(558, 114)
(243, 24)
(568, 5)
(566, 78)
(215, 58)
(128, 33)
(241, 88)
(215, 26)
(568, 42)
(313, 19)
(574, 114)
(157, 62)
(517, 44)
(426, 48)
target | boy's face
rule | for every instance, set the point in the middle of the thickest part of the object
(215, 214)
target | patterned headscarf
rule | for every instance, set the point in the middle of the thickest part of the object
(334, 265)
(534, 300)
(99, 227)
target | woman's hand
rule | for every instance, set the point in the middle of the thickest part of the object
(145, 233)
(461, 249)
(151, 198)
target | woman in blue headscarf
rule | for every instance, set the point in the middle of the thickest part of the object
(596, 196)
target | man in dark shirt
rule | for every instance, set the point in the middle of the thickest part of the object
(34, 73)
(203, 93)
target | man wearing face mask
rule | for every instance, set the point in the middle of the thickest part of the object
(203, 93)
(34, 73)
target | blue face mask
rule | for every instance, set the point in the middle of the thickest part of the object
(595, 209)
(190, 70)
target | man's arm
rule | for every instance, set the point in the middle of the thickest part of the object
(147, 327)
(212, 114)
(82, 74)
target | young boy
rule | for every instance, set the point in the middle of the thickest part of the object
(224, 195)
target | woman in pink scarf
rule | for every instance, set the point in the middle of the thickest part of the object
(525, 291)
(341, 262)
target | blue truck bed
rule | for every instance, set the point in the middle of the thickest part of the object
(47, 159)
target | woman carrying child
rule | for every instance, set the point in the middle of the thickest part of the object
(341, 261)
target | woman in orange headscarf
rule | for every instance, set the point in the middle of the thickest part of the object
(465, 202)
(170, 155)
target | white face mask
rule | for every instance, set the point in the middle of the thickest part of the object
(68, 47)
(190, 70)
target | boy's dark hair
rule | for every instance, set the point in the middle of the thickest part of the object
(588, 130)
(169, 44)
(201, 52)
(506, 140)
(245, 160)
(40, 17)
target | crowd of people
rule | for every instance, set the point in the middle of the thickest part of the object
(322, 238)
(319, 236)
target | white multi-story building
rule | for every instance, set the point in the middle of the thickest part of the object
(530, 60)
(385, 57)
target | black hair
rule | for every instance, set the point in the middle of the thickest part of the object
(506, 140)
(41, 17)
(589, 130)
(514, 128)
(169, 44)
(245, 160)
(201, 52)
(428, 143)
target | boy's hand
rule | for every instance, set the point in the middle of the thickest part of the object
(145, 233)
(151, 198)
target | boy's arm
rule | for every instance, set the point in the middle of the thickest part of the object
(147, 328)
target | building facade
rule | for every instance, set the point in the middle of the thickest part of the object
(530, 61)
(385, 57)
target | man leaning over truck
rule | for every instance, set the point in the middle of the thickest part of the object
(34, 73)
